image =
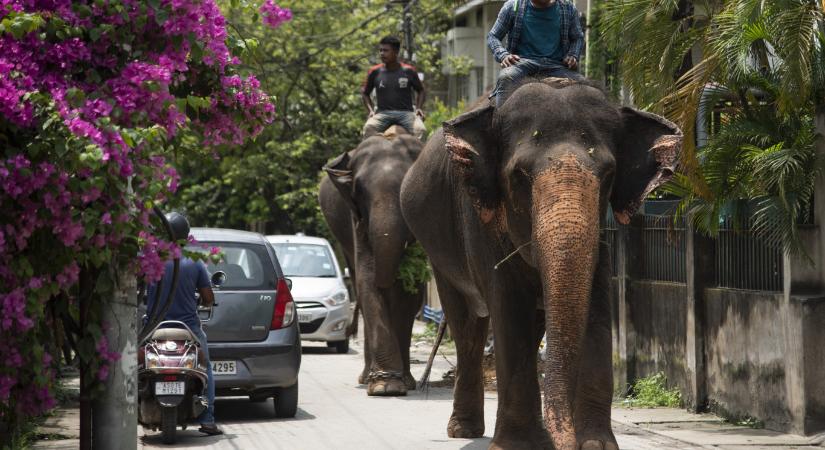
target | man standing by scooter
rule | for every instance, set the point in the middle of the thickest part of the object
(192, 277)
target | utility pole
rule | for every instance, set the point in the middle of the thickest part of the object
(408, 28)
(114, 413)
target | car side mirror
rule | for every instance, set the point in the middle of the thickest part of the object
(346, 273)
(218, 278)
(288, 283)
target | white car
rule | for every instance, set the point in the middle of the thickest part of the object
(321, 297)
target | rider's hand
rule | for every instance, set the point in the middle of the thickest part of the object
(371, 113)
(571, 62)
(419, 113)
(510, 60)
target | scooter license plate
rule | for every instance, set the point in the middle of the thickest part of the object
(170, 387)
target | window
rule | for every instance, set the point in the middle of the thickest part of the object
(305, 260)
(247, 266)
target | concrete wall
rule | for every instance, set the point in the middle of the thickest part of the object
(740, 353)
(745, 356)
(658, 312)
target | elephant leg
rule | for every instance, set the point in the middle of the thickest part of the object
(519, 419)
(405, 307)
(469, 333)
(594, 391)
(362, 378)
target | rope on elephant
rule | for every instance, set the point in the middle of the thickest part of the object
(352, 329)
(424, 383)
(512, 254)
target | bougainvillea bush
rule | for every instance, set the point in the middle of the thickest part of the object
(94, 98)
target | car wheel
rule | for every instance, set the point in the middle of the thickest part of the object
(339, 346)
(286, 401)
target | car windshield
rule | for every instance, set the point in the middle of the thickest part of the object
(305, 260)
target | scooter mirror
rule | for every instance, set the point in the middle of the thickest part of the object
(218, 278)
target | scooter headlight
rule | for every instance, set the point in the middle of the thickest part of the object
(152, 360)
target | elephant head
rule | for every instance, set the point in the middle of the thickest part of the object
(370, 182)
(541, 170)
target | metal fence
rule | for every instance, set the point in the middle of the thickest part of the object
(663, 249)
(610, 233)
(743, 261)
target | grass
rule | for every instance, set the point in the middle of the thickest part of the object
(652, 392)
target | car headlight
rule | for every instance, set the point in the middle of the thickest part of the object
(152, 360)
(339, 298)
(188, 361)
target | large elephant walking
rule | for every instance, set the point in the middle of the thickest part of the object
(360, 201)
(507, 203)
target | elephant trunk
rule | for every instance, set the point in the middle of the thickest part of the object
(566, 239)
(388, 237)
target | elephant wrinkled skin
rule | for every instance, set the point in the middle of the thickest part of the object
(532, 180)
(360, 201)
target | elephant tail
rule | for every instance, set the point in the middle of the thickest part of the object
(352, 329)
(425, 378)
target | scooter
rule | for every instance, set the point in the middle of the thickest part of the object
(171, 379)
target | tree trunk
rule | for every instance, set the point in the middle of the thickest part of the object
(114, 423)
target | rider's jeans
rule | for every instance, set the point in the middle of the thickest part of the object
(207, 417)
(380, 121)
(511, 77)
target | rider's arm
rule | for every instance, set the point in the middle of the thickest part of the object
(421, 95)
(366, 90)
(504, 23)
(207, 296)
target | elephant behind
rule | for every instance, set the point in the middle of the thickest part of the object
(519, 193)
(359, 198)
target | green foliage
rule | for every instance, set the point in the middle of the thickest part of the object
(652, 391)
(757, 88)
(414, 270)
(440, 113)
(315, 66)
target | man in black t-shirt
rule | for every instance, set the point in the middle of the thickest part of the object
(394, 83)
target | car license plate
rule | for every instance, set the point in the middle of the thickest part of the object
(170, 387)
(224, 368)
(304, 317)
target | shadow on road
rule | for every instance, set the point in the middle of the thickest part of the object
(240, 409)
(318, 350)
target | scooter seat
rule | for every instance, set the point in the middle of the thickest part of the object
(172, 334)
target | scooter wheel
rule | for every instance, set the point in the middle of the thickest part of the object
(169, 425)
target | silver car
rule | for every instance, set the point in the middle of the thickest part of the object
(320, 294)
(254, 341)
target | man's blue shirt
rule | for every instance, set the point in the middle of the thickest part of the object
(540, 36)
(510, 23)
(191, 277)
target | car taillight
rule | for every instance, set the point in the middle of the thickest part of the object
(284, 312)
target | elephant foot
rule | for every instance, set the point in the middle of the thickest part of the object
(598, 440)
(593, 444)
(409, 381)
(386, 388)
(362, 379)
(513, 441)
(386, 384)
(465, 429)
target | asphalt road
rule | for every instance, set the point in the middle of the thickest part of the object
(336, 413)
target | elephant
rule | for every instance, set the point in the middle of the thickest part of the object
(520, 193)
(359, 199)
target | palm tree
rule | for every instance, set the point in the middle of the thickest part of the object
(752, 72)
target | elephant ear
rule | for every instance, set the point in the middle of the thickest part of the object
(472, 144)
(342, 178)
(646, 156)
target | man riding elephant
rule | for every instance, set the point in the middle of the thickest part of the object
(394, 83)
(544, 40)
(359, 198)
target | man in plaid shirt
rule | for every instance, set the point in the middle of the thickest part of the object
(544, 38)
